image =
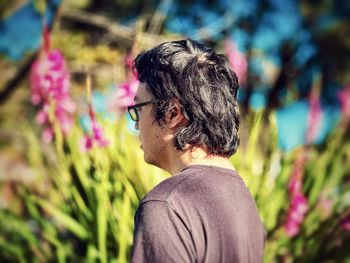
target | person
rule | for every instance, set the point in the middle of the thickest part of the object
(187, 115)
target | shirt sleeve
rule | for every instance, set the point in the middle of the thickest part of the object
(160, 235)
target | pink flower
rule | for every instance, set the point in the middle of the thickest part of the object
(128, 61)
(87, 143)
(123, 96)
(345, 223)
(298, 207)
(97, 138)
(292, 228)
(238, 60)
(295, 183)
(126, 93)
(42, 116)
(344, 99)
(47, 135)
(49, 81)
(298, 202)
(296, 214)
(315, 118)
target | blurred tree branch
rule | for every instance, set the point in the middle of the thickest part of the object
(14, 82)
(123, 34)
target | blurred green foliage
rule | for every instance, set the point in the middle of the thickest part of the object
(59, 204)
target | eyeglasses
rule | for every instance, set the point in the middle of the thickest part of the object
(133, 110)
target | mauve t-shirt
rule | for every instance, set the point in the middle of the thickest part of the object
(202, 214)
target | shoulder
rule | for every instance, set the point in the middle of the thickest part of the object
(195, 179)
(161, 192)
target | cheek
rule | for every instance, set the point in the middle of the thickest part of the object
(143, 129)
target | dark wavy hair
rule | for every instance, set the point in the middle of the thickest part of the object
(204, 84)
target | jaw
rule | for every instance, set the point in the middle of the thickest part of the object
(157, 156)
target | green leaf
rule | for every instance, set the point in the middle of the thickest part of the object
(70, 223)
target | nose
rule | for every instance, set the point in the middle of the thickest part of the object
(136, 125)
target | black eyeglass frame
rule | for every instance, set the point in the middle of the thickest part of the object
(137, 106)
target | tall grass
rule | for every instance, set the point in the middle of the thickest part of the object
(85, 208)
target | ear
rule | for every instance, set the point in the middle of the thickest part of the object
(174, 117)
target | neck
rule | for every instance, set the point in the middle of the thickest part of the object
(195, 156)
